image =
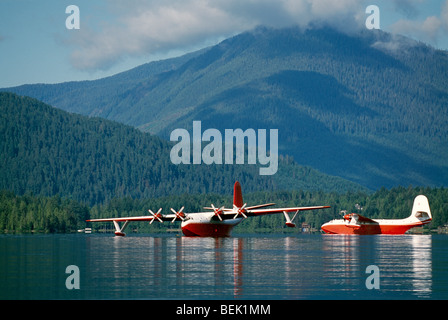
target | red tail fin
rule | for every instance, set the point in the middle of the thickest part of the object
(237, 195)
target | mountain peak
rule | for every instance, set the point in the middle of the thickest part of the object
(367, 106)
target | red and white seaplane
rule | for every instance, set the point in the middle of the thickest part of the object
(217, 222)
(354, 223)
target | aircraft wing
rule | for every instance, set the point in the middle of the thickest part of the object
(261, 212)
(360, 218)
(251, 212)
(154, 216)
(123, 219)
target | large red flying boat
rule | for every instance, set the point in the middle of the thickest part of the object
(216, 222)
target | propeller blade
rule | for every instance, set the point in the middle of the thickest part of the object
(175, 217)
(217, 212)
(239, 211)
(156, 215)
(243, 210)
(150, 211)
(178, 214)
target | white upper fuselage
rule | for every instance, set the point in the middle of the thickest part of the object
(208, 217)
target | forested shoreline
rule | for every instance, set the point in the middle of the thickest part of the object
(40, 214)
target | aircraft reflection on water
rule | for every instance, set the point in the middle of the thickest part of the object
(313, 266)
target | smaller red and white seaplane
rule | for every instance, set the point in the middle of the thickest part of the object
(217, 222)
(354, 223)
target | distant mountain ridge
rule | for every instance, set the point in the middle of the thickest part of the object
(367, 107)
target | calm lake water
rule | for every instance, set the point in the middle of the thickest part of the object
(260, 267)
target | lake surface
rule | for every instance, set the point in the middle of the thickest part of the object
(275, 267)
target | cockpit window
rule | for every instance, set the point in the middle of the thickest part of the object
(422, 214)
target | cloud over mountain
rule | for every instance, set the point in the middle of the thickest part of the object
(137, 27)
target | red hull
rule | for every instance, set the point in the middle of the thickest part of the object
(368, 229)
(207, 230)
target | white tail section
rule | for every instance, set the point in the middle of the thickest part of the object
(420, 209)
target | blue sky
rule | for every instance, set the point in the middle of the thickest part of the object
(116, 35)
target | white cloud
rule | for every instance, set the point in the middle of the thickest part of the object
(444, 16)
(141, 27)
(430, 29)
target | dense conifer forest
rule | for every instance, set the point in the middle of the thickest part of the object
(41, 214)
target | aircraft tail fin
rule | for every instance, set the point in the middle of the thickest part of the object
(420, 209)
(237, 195)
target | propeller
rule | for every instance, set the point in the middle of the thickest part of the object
(240, 211)
(218, 212)
(157, 215)
(179, 214)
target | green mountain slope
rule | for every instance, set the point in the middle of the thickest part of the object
(347, 105)
(47, 151)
